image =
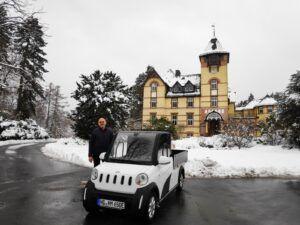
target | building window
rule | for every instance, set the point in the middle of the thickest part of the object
(189, 134)
(190, 102)
(153, 102)
(154, 87)
(214, 101)
(270, 109)
(214, 84)
(260, 110)
(190, 119)
(174, 118)
(174, 102)
(152, 117)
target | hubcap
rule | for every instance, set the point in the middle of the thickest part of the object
(151, 208)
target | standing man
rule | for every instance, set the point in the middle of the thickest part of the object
(100, 141)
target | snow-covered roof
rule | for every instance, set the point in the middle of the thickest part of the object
(267, 101)
(170, 79)
(258, 102)
(213, 46)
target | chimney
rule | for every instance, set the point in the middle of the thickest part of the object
(177, 73)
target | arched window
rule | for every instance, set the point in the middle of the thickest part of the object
(154, 87)
(214, 84)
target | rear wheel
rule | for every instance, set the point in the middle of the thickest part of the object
(180, 181)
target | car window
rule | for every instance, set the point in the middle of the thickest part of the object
(164, 146)
(133, 147)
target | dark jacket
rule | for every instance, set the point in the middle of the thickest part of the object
(100, 141)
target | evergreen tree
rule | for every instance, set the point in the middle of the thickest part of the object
(246, 102)
(162, 124)
(5, 33)
(136, 96)
(100, 95)
(56, 129)
(250, 98)
(289, 110)
(30, 40)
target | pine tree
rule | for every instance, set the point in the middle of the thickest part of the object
(289, 110)
(5, 33)
(250, 98)
(56, 128)
(5, 38)
(100, 95)
(30, 39)
(136, 96)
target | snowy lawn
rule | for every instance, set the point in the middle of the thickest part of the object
(257, 161)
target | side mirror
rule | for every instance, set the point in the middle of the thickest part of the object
(102, 155)
(164, 160)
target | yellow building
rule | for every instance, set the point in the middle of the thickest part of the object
(257, 109)
(197, 104)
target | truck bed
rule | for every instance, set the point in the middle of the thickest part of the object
(179, 157)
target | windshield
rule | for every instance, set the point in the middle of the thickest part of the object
(132, 147)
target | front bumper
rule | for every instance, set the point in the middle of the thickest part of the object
(134, 203)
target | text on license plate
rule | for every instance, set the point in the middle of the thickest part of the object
(110, 204)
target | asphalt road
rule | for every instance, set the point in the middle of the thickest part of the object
(37, 190)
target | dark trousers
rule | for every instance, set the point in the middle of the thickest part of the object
(96, 160)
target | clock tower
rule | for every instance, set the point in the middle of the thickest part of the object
(214, 87)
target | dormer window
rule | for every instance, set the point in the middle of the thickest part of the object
(189, 87)
(177, 88)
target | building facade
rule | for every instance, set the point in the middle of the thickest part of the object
(197, 104)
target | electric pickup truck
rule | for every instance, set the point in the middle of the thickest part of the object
(136, 174)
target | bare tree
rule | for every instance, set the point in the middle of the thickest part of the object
(240, 131)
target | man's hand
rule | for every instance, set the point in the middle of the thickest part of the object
(90, 158)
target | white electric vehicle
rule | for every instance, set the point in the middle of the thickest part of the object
(136, 174)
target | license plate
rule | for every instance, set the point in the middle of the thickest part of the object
(110, 204)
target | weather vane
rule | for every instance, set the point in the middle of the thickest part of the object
(214, 29)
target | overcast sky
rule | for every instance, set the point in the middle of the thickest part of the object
(263, 38)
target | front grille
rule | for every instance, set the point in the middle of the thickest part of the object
(124, 180)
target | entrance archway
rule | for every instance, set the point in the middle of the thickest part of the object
(214, 120)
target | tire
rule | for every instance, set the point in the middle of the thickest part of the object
(180, 181)
(150, 209)
(89, 204)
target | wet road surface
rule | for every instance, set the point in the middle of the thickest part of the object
(37, 190)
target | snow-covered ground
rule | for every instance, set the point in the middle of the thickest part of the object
(257, 161)
(15, 142)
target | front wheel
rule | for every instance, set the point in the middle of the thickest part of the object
(150, 208)
(89, 203)
(180, 181)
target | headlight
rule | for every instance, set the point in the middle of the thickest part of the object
(94, 174)
(141, 179)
